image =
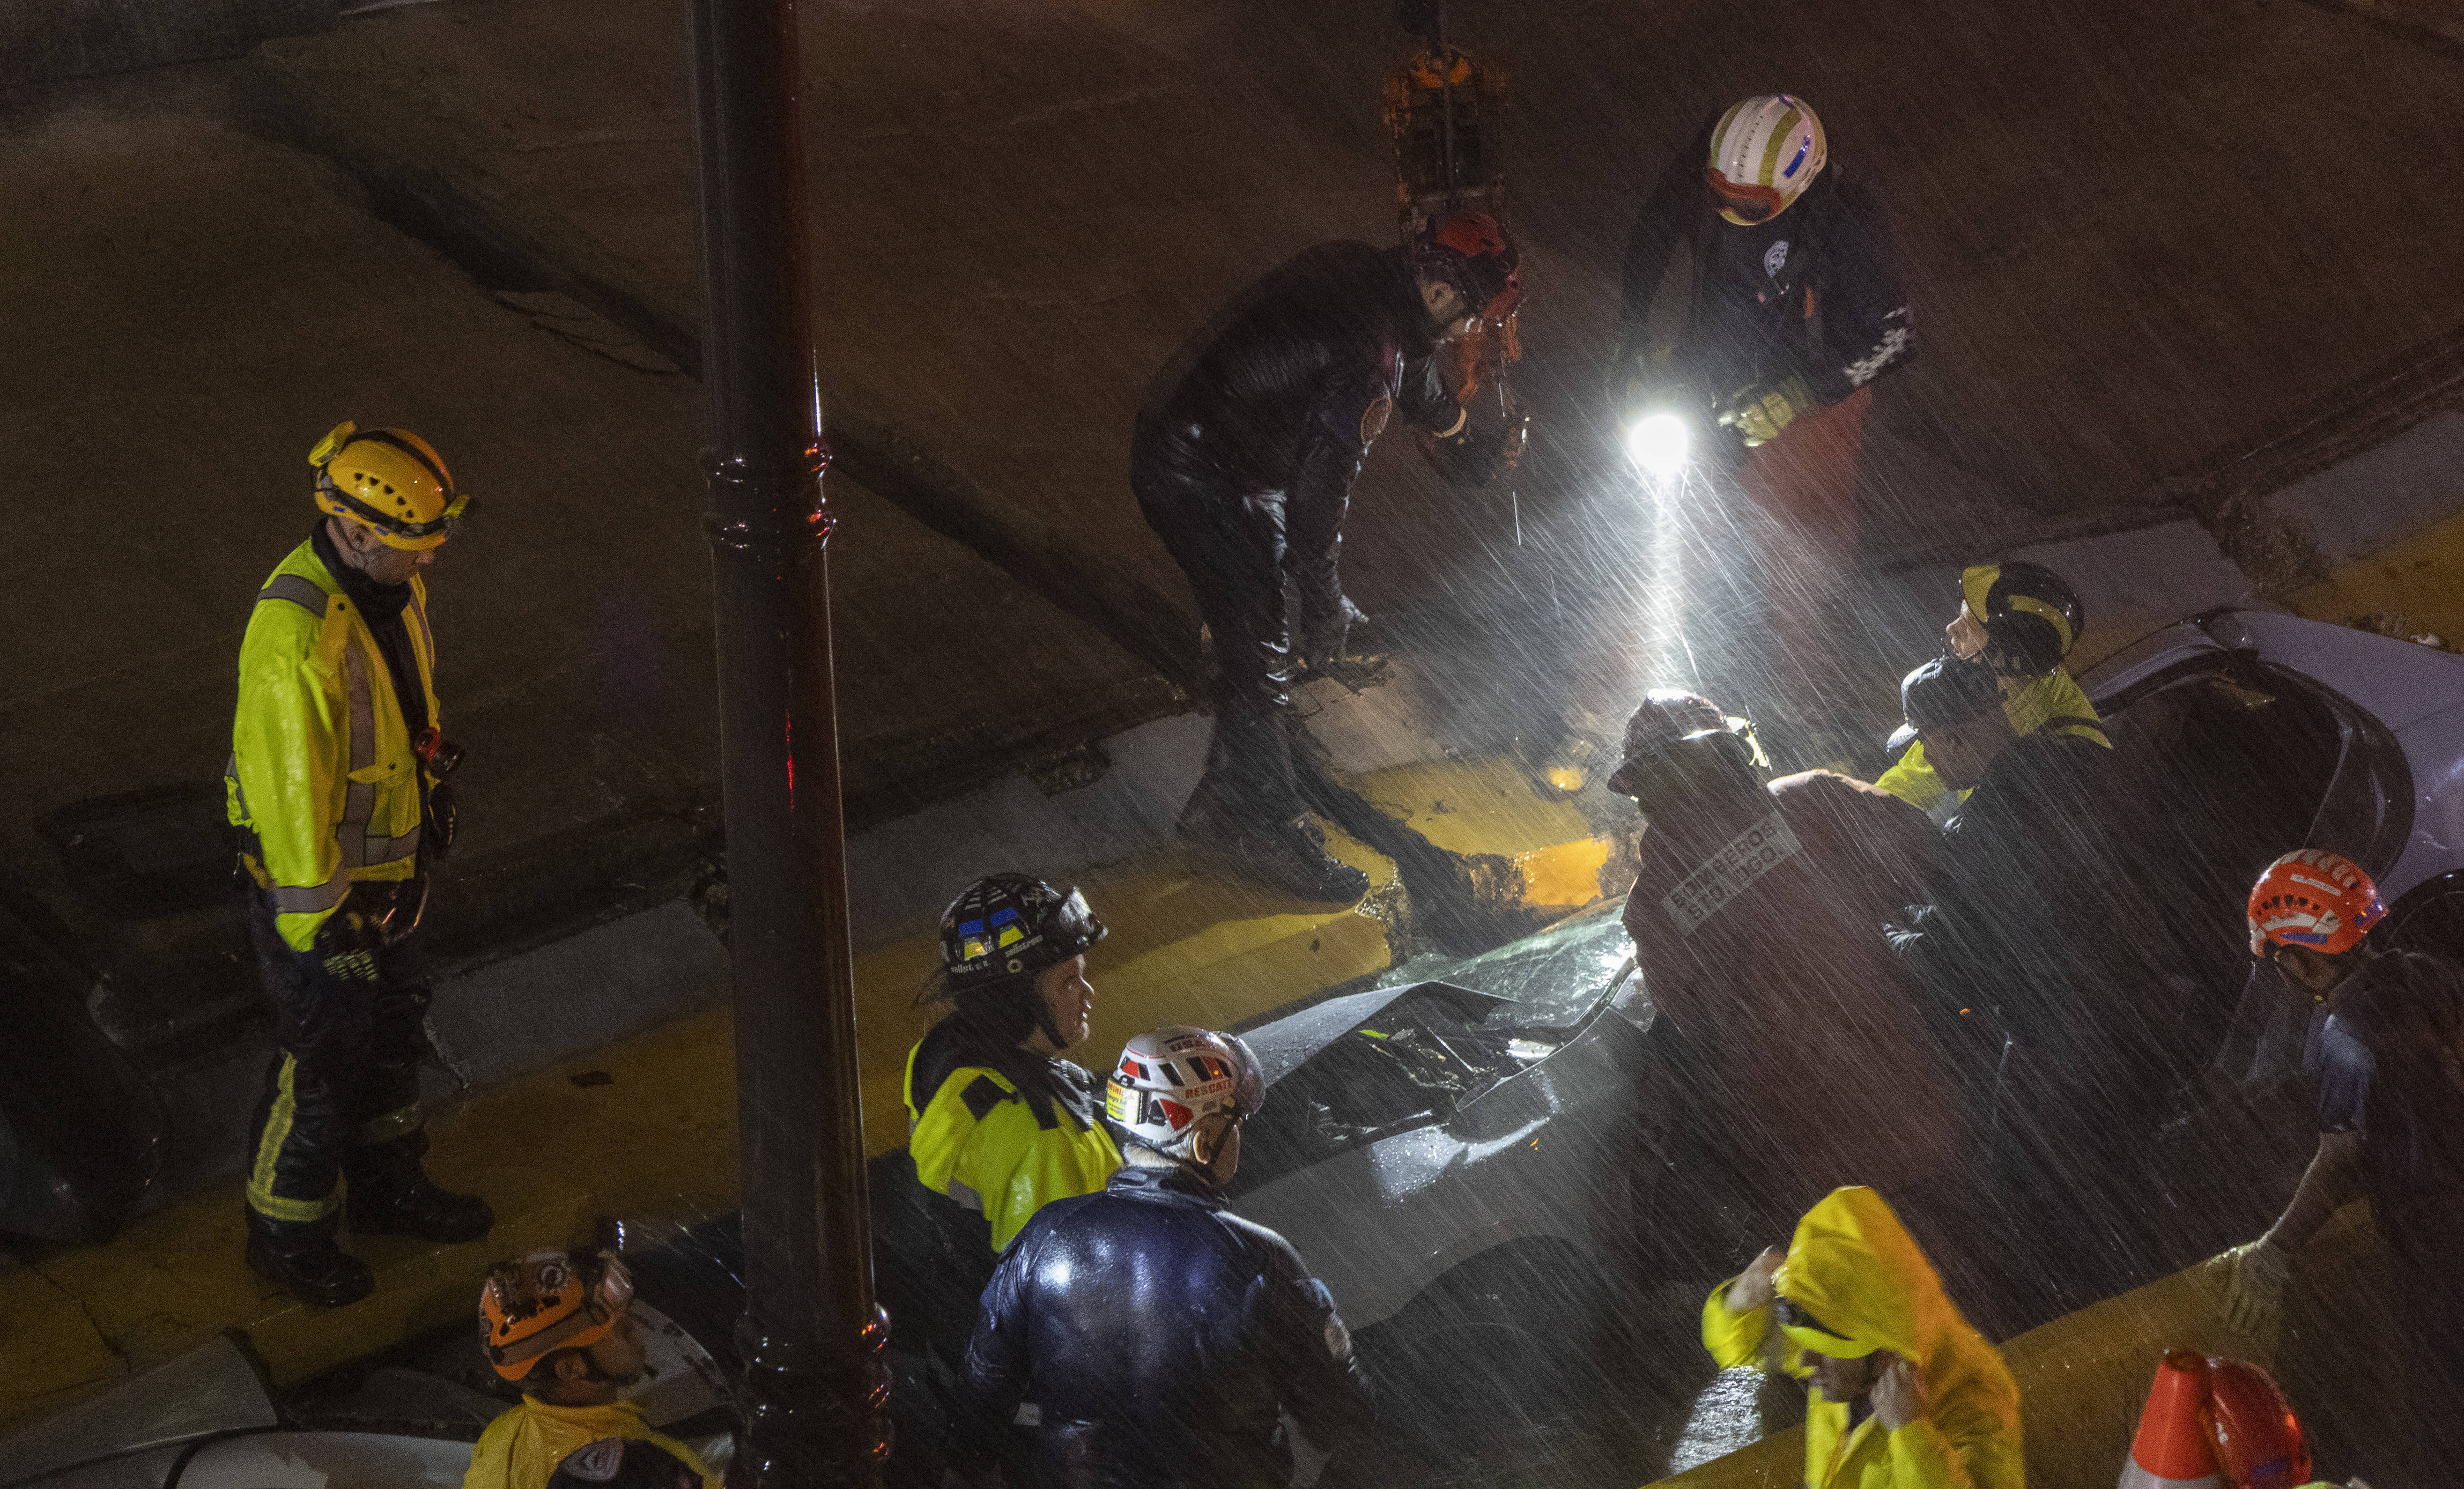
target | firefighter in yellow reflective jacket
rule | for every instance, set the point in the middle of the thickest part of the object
(2022, 618)
(336, 788)
(997, 1121)
(1906, 1395)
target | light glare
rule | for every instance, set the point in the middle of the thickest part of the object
(1657, 443)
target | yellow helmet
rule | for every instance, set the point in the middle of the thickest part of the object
(390, 479)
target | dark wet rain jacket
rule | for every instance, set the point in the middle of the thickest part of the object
(1852, 1268)
(1159, 1333)
(1246, 452)
(1757, 923)
(1817, 293)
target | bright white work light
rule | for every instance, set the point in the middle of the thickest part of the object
(1659, 444)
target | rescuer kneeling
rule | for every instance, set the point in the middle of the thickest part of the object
(337, 789)
(1159, 1334)
(1243, 463)
(562, 1328)
(1906, 1395)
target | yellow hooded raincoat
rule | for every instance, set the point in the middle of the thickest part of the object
(522, 1449)
(1854, 1267)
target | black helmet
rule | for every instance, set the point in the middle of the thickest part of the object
(2029, 614)
(1670, 719)
(1944, 691)
(1007, 926)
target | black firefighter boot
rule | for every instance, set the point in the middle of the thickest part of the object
(390, 1195)
(302, 1257)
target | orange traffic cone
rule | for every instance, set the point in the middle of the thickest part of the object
(2172, 1450)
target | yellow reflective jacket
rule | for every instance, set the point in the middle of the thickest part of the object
(2028, 706)
(978, 1141)
(322, 776)
(1852, 1268)
(522, 1449)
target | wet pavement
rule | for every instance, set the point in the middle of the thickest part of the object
(2146, 243)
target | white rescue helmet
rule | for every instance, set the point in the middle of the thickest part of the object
(1765, 152)
(1170, 1078)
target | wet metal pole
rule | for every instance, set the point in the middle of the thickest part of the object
(811, 1335)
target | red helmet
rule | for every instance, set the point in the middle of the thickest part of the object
(1470, 248)
(2258, 1440)
(2314, 898)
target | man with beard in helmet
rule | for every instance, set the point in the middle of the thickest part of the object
(998, 1126)
(1160, 1335)
(1243, 462)
(1796, 1049)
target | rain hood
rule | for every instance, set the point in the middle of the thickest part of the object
(1852, 1268)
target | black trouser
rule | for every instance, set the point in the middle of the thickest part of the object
(342, 1093)
(1231, 546)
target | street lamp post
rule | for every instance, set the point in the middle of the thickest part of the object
(815, 1389)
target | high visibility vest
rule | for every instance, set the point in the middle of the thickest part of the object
(322, 780)
(2052, 701)
(978, 1141)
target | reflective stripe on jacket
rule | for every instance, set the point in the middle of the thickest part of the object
(980, 1142)
(1854, 1269)
(321, 774)
(2028, 704)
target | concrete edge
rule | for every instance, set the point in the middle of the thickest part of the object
(463, 212)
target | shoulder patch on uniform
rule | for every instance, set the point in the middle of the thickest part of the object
(1372, 419)
(982, 1096)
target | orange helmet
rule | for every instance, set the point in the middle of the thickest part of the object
(2314, 898)
(549, 1301)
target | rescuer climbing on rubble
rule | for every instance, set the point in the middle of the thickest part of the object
(1792, 1037)
(2388, 1057)
(1904, 1393)
(560, 1326)
(1243, 462)
(336, 789)
(2021, 619)
(1160, 1335)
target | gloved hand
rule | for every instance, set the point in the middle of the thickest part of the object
(1324, 637)
(1754, 1286)
(1899, 1394)
(444, 820)
(1760, 413)
(1472, 455)
(2255, 1274)
(347, 943)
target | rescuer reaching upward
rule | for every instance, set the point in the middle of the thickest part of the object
(1243, 463)
(336, 788)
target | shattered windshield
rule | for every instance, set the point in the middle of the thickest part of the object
(1550, 978)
